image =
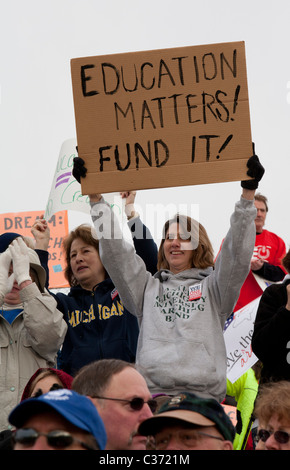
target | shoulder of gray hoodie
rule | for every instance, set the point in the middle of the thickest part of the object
(128, 272)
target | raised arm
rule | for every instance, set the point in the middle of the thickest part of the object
(41, 233)
(126, 269)
(233, 262)
(144, 244)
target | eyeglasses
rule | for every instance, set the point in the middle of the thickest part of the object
(187, 438)
(57, 439)
(136, 403)
(282, 437)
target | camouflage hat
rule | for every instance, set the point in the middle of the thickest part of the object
(192, 409)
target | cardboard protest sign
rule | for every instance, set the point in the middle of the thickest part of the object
(22, 222)
(162, 118)
(238, 341)
(65, 193)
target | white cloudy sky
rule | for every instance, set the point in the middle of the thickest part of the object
(38, 39)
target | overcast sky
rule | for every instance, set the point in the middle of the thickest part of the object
(38, 39)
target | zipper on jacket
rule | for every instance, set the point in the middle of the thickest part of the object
(98, 327)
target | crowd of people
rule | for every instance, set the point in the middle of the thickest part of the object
(133, 357)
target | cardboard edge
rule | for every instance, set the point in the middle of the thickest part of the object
(149, 178)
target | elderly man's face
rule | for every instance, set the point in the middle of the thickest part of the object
(181, 437)
(121, 421)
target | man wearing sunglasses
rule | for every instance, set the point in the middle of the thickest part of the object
(272, 409)
(189, 422)
(58, 420)
(122, 399)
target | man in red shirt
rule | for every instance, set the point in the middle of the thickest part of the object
(266, 262)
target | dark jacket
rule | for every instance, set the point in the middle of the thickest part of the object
(271, 337)
(98, 327)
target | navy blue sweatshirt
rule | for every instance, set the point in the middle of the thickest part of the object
(98, 327)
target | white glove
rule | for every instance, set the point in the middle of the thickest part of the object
(6, 281)
(20, 259)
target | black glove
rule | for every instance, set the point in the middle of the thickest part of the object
(79, 170)
(256, 171)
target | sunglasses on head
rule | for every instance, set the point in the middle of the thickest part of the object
(39, 392)
(57, 439)
(136, 403)
(282, 437)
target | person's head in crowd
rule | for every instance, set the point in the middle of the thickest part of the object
(272, 409)
(122, 399)
(261, 203)
(44, 380)
(6, 239)
(9, 237)
(189, 422)
(184, 245)
(57, 420)
(83, 263)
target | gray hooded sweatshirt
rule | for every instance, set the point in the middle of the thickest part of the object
(181, 344)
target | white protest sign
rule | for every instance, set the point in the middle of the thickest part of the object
(65, 190)
(238, 341)
(65, 193)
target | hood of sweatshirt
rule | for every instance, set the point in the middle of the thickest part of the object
(78, 291)
(193, 274)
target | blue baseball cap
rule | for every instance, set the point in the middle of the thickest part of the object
(75, 408)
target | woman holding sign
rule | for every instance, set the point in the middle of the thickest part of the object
(182, 308)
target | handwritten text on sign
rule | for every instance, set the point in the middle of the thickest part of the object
(161, 118)
(22, 222)
(238, 341)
